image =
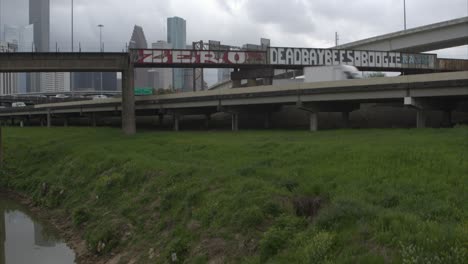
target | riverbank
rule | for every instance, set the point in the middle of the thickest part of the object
(366, 196)
(59, 221)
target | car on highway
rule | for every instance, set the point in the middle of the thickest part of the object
(18, 104)
(99, 96)
(62, 96)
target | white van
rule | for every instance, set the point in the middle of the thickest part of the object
(18, 104)
(330, 73)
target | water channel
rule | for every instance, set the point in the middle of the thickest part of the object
(26, 239)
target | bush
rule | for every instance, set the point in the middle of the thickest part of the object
(102, 239)
(80, 216)
(279, 234)
(342, 212)
(315, 248)
(179, 248)
(250, 217)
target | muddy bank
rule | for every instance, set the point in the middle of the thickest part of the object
(63, 224)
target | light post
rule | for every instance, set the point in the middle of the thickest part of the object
(72, 25)
(404, 12)
(71, 73)
(100, 36)
(100, 45)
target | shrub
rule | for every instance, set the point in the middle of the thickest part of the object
(80, 216)
(250, 217)
(315, 249)
(279, 234)
(102, 239)
(341, 212)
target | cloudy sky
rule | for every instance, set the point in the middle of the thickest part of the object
(301, 23)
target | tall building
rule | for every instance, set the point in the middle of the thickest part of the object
(138, 41)
(11, 34)
(161, 78)
(39, 16)
(8, 80)
(91, 81)
(23, 37)
(26, 38)
(177, 37)
(224, 74)
(55, 82)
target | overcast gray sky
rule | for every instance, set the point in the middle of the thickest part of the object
(302, 23)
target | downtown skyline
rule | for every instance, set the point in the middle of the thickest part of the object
(298, 23)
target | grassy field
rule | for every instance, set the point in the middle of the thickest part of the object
(343, 196)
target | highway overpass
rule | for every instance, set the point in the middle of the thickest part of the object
(440, 91)
(257, 64)
(447, 34)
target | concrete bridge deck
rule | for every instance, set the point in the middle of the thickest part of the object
(431, 37)
(440, 91)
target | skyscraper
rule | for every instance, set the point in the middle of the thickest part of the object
(23, 38)
(8, 80)
(55, 82)
(138, 41)
(26, 38)
(39, 16)
(177, 37)
(91, 81)
(161, 78)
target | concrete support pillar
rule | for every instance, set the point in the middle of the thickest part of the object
(93, 120)
(235, 121)
(49, 118)
(21, 123)
(313, 119)
(65, 122)
(267, 123)
(345, 117)
(176, 122)
(420, 118)
(447, 118)
(41, 121)
(268, 81)
(207, 120)
(2, 220)
(128, 101)
(160, 120)
(251, 82)
(236, 83)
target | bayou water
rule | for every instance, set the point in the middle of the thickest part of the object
(26, 239)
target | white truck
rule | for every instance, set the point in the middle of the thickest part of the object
(330, 73)
(18, 104)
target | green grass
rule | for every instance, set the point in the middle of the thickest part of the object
(343, 196)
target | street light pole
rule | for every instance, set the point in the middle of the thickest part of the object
(100, 44)
(71, 73)
(100, 36)
(404, 12)
(72, 25)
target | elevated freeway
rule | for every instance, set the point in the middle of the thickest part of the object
(440, 91)
(80, 62)
(446, 34)
(257, 64)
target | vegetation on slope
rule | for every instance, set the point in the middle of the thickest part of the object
(348, 196)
